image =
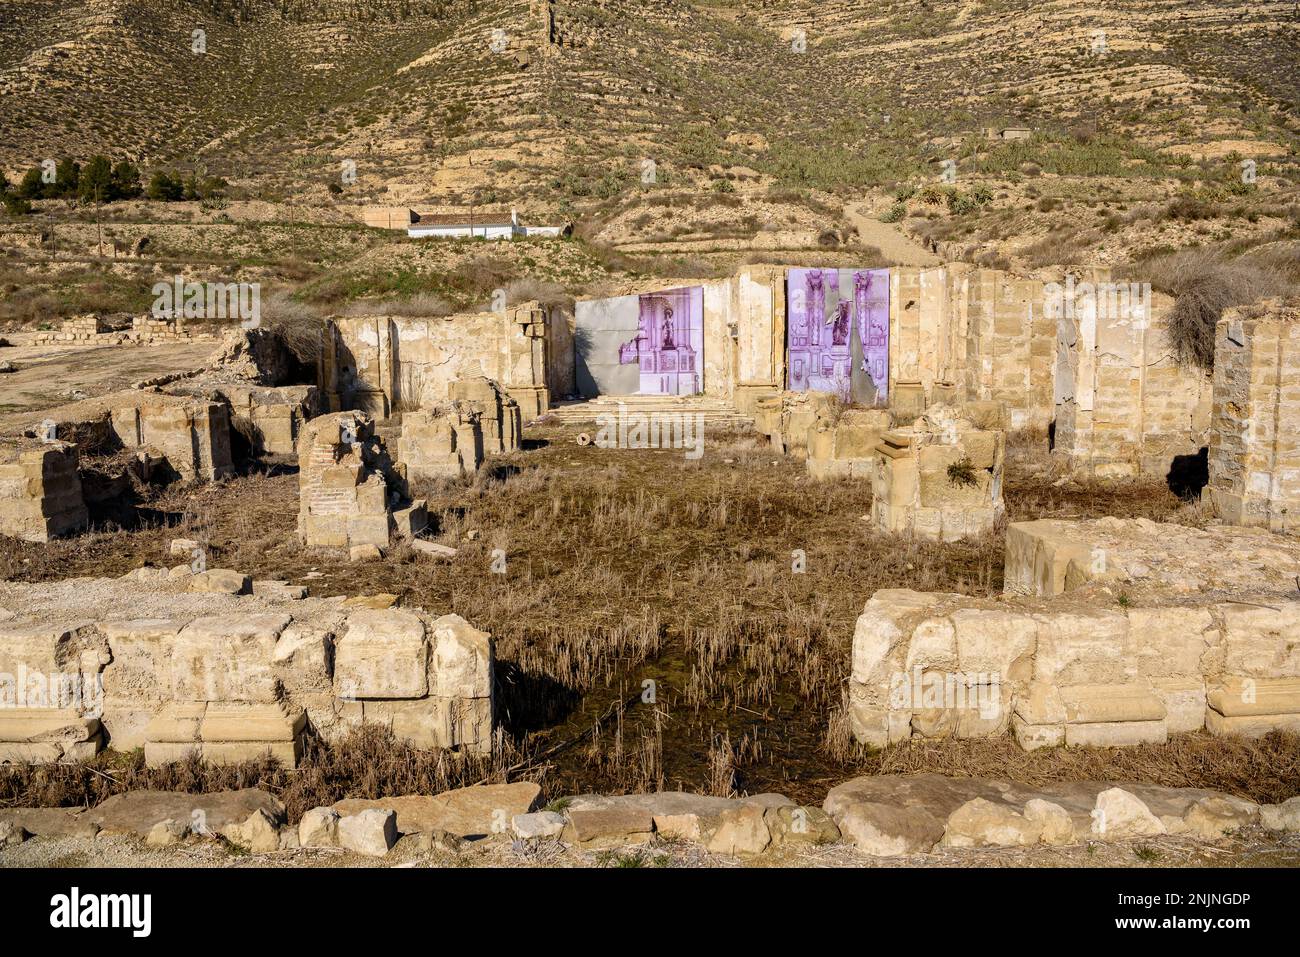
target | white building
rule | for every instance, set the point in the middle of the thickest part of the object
(487, 225)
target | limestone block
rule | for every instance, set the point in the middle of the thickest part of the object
(227, 658)
(303, 659)
(537, 825)
(461, 665)
(1030, 737)
(1083, 647)
(1119, 815)
(1184, 700)
(319, 827)
(1116, 734)
(1093, 704)
(1251, 726)
(136, 682)
(1261, 642)
(371, 832)
(1172, 641)
(995, 642)
(1238, 697)
(382, 654)
(222, 581)
(983, 823)
(1055, 824)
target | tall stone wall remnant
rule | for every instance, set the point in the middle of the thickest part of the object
(1124, 406)
(1254, 458)
(385, 364)
(350, 492)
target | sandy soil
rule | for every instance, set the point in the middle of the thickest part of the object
(48, 375)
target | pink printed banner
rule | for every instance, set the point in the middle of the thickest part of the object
(669, 344)
(838, 333)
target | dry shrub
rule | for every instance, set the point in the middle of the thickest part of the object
(298, 325)
(1205, 282)
(421, 305)
(546, 293)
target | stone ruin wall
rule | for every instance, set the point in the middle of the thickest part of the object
(190, 426)
(96, 330)
(1124, 406)
(1254, 457)
(41, 495)
(381, 364)
(350, 492)
(1059, 661)
(940, 478)
(238, 686)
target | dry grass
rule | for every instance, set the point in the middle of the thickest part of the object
(1266, 770)
(629, 567)
(366, 763)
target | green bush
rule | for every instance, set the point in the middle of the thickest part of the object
(895, 213)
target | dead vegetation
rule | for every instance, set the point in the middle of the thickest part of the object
(653, 627)
(1205, 282)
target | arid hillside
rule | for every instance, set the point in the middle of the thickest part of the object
(683, 135)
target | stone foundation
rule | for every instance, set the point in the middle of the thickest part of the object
(238, 686)
(940, 478)
(1051, 557)
(937, 665)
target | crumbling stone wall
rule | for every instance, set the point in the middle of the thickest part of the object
(1124, 406)
(192, 434)
(843, 443)
(1254, 458)
(40, 490)
(500, 416)
(93, 329)
(350, 494)
(940, 478)
(443, 443)
(236, 687)
(380, 364)
(1205, 637)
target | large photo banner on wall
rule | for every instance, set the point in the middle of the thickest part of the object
(648, 344)
(838, 333)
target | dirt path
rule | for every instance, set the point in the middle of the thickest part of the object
(899, 249)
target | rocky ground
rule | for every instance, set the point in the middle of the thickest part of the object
(891, 821)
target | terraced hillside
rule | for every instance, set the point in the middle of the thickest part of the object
(705, 127)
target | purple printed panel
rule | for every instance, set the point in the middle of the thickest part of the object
(838, 332)
(871, 297)
(669, 344)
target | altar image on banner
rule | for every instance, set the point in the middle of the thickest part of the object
(838, 333)
(668, 347)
